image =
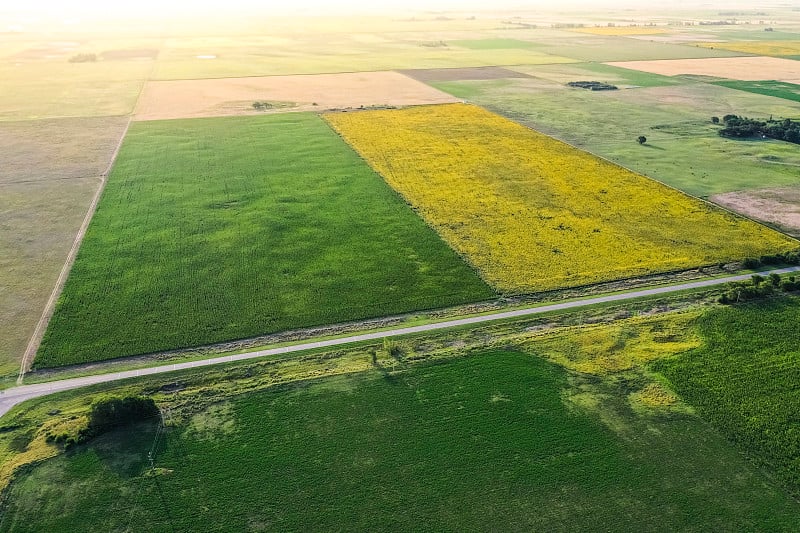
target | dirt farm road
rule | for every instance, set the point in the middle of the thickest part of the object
(15, 395)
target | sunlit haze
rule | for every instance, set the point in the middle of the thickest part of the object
(99, 9)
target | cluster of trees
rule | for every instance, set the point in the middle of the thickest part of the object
(593, 85)
(108, 414)
(786, 258)
(736, 126)
(758, 287)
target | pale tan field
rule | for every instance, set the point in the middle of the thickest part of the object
(49, 174)
(235, 96)
(778, 206)
(621, 30)
(736, 68)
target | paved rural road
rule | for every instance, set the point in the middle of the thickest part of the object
(14, 395)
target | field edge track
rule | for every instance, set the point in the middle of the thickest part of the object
(49, 308)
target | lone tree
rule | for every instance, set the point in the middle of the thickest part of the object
(642, 139)
(715, 120)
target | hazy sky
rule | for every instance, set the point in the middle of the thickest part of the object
(110, 7)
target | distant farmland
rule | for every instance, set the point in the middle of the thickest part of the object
(532, 213)
(235, 96)
(217, 229)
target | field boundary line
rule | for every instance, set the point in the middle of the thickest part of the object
(49, 308)
(15, 395)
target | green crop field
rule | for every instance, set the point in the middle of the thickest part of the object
(495, 44)
(779, 89)
(676, 119)
(566, 73)
(218, 229)
(744, 380)
(486, 442)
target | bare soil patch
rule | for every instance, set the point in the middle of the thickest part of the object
(462, 74)
(65, 148)
(778, 206)
(736, 68)
(319, 92)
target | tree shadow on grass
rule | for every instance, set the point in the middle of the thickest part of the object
(125, 450)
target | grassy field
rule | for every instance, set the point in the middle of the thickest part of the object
(496, 44)
(563, 74)
(778, 89)
(38, 222)
(217, 229)
(743, 379)
(599, 48)
(56, 88)
(675, 119)
(339, 52)
(532, 213)
(484, 442)
(49, 174)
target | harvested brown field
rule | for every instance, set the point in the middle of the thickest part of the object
(777, 206)
(735, 68)
(426, 75)
(318, 92)
(49, 174)
(39, 150)
(38, 223)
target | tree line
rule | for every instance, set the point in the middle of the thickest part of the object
(742, 127)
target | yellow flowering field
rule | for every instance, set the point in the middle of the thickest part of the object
(532, 213)
(761, 48)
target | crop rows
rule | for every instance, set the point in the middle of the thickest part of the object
(744, 380)
(218, 229)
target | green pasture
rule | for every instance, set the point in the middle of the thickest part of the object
(744, 381)
(485, 442)
(683, 147)
(330, 53)
(778, 89)
(219, 229)
(56, 88)
(601, 48)
(755, 34)
(495, 44)
(566, 73)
